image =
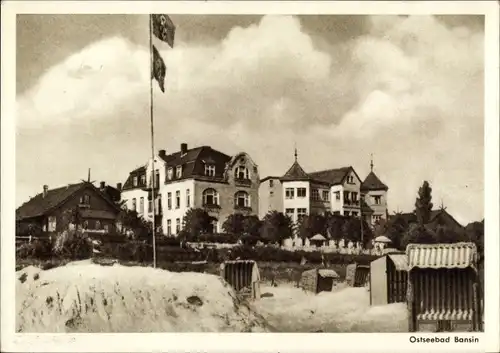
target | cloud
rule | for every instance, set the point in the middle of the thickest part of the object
(410, 91)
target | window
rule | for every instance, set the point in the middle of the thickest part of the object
(271, 183)
(178, 172)
(354, 213)
(141, 205)
(210, 170)
(377, 199)
(170, 173)
(106, 228)
(242, 199)
(354, 198)
(157, 178)
(347, 201)
(97, 224)
(301, 212)
(210, 197)
(326, 195)
(52, 224)
(376, 218)
(85, 200)
(289, 193)
(315, 194)
(177, 225)
(350, 179)
(169, 227)
(301, 192)
(177, 199)
(241, 172)
(143, 179)
(346, 213)
(188, 198)
(271, 193)
(158, 205)
(290, 212)
(336, 213)
(135, 181)
(169, 200)
(85, 224)
(134, 204)
(337, 195)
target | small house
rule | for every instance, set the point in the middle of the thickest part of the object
(357, 275)
(54, 210)
(388, 279)
(443, 286)
(243, 276)
(318, 280)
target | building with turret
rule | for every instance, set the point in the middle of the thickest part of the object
(339, 191)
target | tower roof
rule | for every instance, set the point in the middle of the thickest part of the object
(372, 182)
(296, 172)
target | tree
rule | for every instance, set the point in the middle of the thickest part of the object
(234, 224)
(355, 229)
(334, 225)
(311, 225)
(419, 234)
(252, 226)
(394, 228)
(423, 204)
(135, 225)
(475, 233)
(276, 227)
(197, 221)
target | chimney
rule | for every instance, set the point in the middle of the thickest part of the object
(161, 153)
(45, 190)
(103, 185)
(119, 186)
(184, 148)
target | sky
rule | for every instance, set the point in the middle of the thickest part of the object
(407, 89)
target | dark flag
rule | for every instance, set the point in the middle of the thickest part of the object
(163, 28)
(159, 69)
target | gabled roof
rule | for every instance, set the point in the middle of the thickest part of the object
(40, 206)
(372, 182)
(295, 173)
(332, 176)
(411, 217)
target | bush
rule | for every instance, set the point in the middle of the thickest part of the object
(73, 244)
(37, 249)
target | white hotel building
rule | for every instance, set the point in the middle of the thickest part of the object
(193, 178)
(339, 191)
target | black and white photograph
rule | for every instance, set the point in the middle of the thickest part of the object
(281, 172)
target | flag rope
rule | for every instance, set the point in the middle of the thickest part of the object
(152, 139)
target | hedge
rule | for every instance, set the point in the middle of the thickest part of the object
(140, 251)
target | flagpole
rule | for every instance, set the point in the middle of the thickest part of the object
(152, 138)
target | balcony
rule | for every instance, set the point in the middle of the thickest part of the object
(243, 182)
(243, 208)
(351, 203)
(211, 207)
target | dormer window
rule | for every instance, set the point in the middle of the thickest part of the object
(241, 172)
(210, 170)
(178, 172)
(170, 173)
(143, 179)
(135, 181)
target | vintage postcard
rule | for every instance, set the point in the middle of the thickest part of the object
(288, 172)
